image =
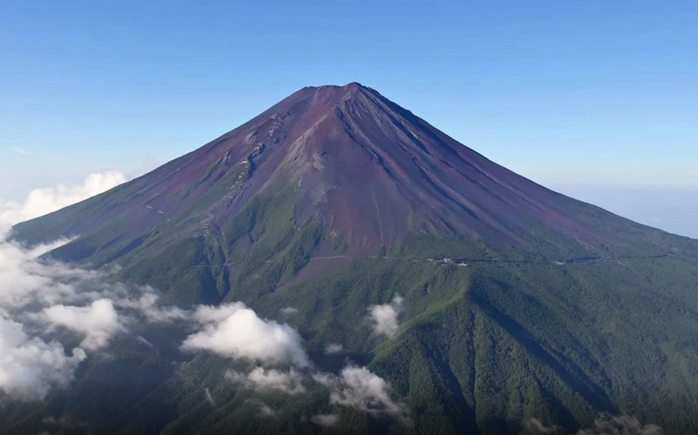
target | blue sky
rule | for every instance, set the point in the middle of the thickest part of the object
(565, 92)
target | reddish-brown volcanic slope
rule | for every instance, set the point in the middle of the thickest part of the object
(371, 171)
(365, 168)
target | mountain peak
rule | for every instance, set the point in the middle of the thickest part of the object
(355, 85)
(348, 86)
(335, 93)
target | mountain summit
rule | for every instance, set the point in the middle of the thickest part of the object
(516, 304)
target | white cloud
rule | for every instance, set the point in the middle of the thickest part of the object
(31, 367)
(620, 424)
(28, 279)
(606, 424)
(333, 348)
(23, 151)
(142, 340)
(209, 397)
(46, 200)
(207, 314)
(385, 317)
(147, 305)
(289, 310)
(536, 427)
(359, 388)
(38, 292)
(235, 331)
(264, 410)
(97, 322)
(24, 278)
(288, 382)
(54, 295)
(325, 420)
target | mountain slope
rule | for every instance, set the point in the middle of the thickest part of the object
(519, 302)
(355, 173)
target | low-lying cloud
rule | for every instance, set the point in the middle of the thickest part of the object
(25, 278)
(620, 424)
(289, 310)
(29, 366)
(333, 349)
(235, 331)
(290, 382)
(359, 388)
(385, 317)
(97, 322)
(149, 307)
(39, 296)
(606, 424)
(325, 420)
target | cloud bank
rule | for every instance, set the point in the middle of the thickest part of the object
(31, 367)
(37, 297)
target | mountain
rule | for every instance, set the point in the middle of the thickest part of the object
(334, 171)
(519, 303)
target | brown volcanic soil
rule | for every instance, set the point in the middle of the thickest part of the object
(367, 170)
(371, 171)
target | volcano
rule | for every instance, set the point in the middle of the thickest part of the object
(520, 304)
(367, 176)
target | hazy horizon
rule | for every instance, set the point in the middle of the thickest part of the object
(669, 208)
